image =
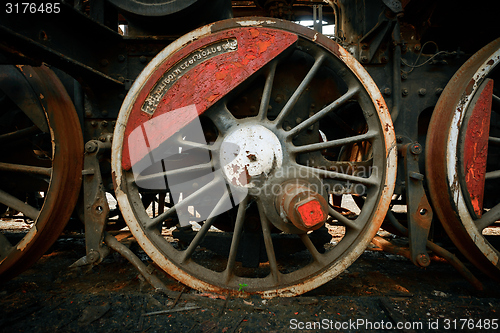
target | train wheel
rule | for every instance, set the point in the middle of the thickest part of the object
(463, 158)
(248, 126)
(40, 161)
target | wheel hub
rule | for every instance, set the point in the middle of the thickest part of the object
(248, 153)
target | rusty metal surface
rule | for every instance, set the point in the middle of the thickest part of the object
(218, 69)
(288, 286)
(476, 145)
(441, 161)
(63, 190)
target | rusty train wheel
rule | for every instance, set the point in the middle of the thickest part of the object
(462, 159)
(40, 161)
(248, 126)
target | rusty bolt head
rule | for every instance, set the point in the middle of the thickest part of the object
(422, 92)
(311, 212)
(416, 148)
(90, 147)
(423, 260)
(93, 256)
(404, 92)
(387, 91)
(304, 207)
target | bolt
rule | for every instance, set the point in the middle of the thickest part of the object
(104, 123)
(298, 120)
(364, 59)
(93, 256)
(88, 113)
(405, 92)
(416, 148)
(121, 58)
(404, 76)
(387, 91)
(104, 62)
(417, 48)
(438, 91)
(399, 139)
(423, 260)
(143, 59)
(278, 99)
(422, 92)
(90, 147)
(121, 96)
(416, 176)
(288, 128)
(104, 113)
(102, 139)
(93, 123)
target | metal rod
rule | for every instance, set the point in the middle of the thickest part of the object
(114, 244)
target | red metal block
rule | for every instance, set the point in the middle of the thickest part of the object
(179, 84)
(476, 147)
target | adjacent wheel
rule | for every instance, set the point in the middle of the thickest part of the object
(41, 155)
(247, 128)
(463, 159)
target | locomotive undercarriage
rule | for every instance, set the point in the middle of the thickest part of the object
(251, 155)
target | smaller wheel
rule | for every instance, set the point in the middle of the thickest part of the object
(463, 159)
(41, 157)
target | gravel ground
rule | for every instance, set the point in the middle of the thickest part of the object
(378, 292)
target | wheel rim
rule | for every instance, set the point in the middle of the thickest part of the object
(48, 156)
(466, 221)
(241, 123)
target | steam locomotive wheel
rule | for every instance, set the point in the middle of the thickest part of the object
(40, 161)
(249, 126)
(462, 162)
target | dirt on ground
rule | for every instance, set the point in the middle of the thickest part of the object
(379, 292)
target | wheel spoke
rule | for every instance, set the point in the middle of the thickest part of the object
(492, 174)
(300, 89)
(318, 257)
(496, 102)
(235, 242)
(16, 135)
(13, 202)
(221, 117)
(200, 235)
(5, 245)
(494, 141)
(334, 143)
(266, 95)
(192, 145)
(26, 169)
(152, 223)
(489, 217)
(342, 219)
(268, 241)
(371, 181)
(323, 112)
(171, 174)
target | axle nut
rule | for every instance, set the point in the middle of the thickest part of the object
(304, 207)
(311, 212)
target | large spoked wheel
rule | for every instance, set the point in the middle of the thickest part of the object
(463, 159)
(40, 164)
(257, 131)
